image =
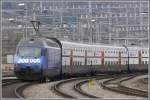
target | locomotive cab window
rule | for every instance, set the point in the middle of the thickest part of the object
(44, 52)
(29, 52)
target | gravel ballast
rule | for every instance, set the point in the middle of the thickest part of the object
(98, 91)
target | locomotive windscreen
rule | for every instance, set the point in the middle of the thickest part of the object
(29, 52)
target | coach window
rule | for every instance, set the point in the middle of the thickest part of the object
(111, 62)
(114, 62)
(105, 62)
(117, 62)
(146, 62)
(96, 61)
(72, 63)
(91, 62)
(75, 63)
(108, 62)
(116, 52)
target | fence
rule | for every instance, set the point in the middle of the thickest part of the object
(7, 69)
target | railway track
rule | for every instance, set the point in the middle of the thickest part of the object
(6, 82)
(144, 80)
(118, 87)
(77, 87)
(20, 88)
(13, 88)
(59, 91)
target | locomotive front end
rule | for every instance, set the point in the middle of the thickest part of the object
(37, 59)
(28, 62)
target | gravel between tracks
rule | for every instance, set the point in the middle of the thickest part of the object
(68, 88)
(136, 83)
(40, 91)
(98, 91)
(45, 90)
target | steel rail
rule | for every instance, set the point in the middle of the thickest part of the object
(6, 82)
(19, 90)
(57, 86)
(77, 87)
(123, 89)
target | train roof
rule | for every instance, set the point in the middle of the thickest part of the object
(47, 42)
(97, 45)
(38, 42)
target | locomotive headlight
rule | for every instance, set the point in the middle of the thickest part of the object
(29, 61)
(34, 61)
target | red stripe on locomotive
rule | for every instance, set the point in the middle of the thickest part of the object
(104, 68)
(119, 62)
(85, 63)
(71, 60)
(139, 59)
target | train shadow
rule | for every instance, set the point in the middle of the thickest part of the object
(68, 76)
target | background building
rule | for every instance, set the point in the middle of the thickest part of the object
(113, 22)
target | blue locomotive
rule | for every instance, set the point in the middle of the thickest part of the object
(37, 58)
